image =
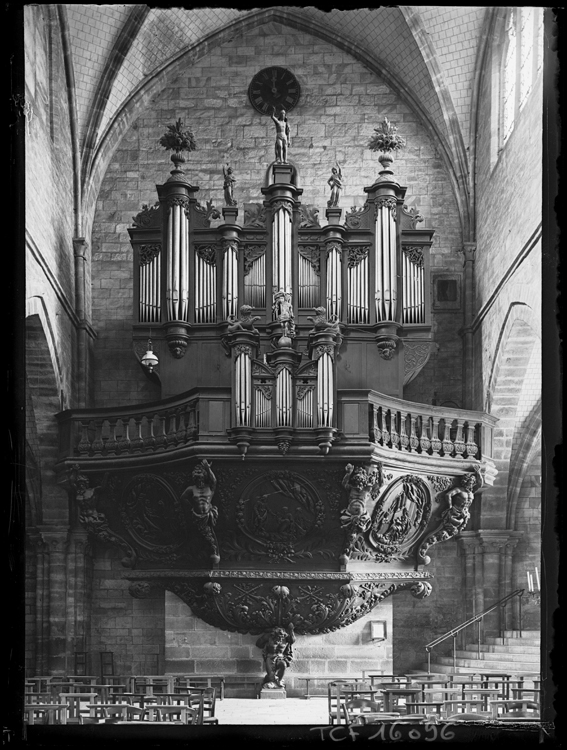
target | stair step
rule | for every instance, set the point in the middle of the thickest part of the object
(521, 634)
(481, 665)
(513, 642)
(497, 656)
(499, 648)
(448, 669)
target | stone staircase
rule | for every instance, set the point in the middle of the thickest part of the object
(512, 653)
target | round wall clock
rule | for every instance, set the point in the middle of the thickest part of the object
(273, 87)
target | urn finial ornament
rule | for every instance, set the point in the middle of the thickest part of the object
(178, 140)
(387, 141)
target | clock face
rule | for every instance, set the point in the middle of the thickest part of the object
(273, 87)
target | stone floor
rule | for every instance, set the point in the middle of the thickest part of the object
(261, 711)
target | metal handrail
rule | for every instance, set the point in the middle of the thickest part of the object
(476, 618)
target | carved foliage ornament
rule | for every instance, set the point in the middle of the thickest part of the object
(312, 255)
(204, 214)
(410, 217)
(388, 203)
(309, 217)
(414, 253)
(149, 216)
(311, 607)
(254, 215)
(251, 254)
(147, 253)
(358, 218)
(357, 253)
(208, 253)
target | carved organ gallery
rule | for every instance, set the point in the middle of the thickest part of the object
(295, 497)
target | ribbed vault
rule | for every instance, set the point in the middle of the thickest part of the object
(120, 53)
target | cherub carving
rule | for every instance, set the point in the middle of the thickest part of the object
(277, 651)
(197, 500)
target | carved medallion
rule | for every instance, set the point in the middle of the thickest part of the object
(152, 515)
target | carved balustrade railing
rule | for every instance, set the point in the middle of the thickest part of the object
(137, 429)
(429, 430)
(204, 414)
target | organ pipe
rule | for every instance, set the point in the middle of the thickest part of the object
(281, 251)
(325, 389)
(243, 387)
(177, 262)
(334, 285)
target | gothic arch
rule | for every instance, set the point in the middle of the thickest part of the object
(451, 147)
(528, 442)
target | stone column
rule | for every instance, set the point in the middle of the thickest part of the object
(37, 599)
(493, 547)
(56, 539)
(79, 576)
(469, 251)
(470, 546)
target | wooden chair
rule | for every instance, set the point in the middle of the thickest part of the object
(180, 714)
(209, 702)
(73, 701)
(335, 700)
(354, 710)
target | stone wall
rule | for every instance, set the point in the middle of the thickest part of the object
(49, 191)
(342, 102)
(132, 629)
(417, 622)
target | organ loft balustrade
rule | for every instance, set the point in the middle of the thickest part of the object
(281, 458)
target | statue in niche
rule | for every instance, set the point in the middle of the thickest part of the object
(362, 485)
(229, 183)
(277, 651)
(283, 312)
(197, 499)
(283, 139)
(335, 182)
(245, 322)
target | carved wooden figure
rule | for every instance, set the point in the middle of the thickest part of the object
(202, 513)
(355, 519)
(277, 651)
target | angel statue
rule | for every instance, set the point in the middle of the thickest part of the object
(229, 183)
(336, 183)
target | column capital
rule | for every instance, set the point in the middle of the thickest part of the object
(494, 540)
(55, 538)
(469, 251)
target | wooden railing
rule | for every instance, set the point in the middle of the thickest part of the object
(364, 415)
(142, 428)
(410, 427)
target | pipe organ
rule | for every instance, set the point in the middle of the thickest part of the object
(251, 283)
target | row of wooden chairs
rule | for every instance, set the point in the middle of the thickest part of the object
(446, 697)
(193, 705)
